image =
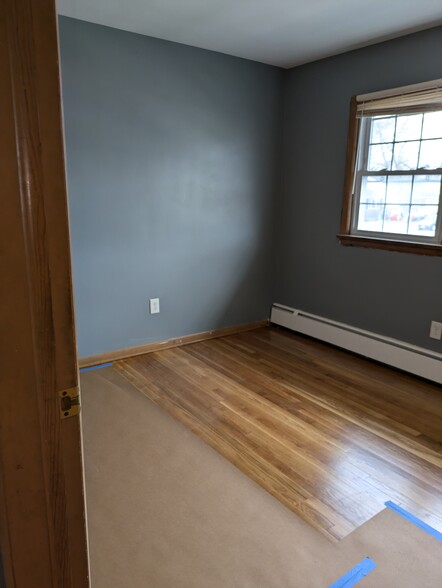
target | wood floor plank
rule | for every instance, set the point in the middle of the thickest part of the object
(388, 399)
(347, 400)
(394, 388)
(331, 435)
(384, 431)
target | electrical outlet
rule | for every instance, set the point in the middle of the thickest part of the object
(154, 305)
(436, 330)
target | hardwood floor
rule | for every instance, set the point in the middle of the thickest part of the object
(330, 435)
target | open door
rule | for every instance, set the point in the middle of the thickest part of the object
(43, 530)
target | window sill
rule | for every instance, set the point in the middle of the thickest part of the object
(390, 245)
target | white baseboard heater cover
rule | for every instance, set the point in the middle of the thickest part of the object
(410, 358)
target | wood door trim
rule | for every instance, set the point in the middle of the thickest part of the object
(100, 358)
(43, 533)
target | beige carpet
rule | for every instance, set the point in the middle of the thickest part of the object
(166, 511)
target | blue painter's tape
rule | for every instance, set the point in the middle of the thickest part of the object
(95, 367)
(355, 575)
(407, 515)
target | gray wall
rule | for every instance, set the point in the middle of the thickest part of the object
(172, 158)
(175, 157)
(395, 294)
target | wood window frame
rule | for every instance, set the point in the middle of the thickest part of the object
(345, 235)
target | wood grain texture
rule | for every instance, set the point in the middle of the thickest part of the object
(433, 249)
(330, 435)
(43, 530)
(93, 360)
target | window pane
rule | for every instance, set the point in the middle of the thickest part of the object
(373, 189)
(408, 127)
(396, 219)
(418, 213)
(432, 125)
(399, 177)
(370, 217)
(423, 221)
(431, 154)
(382, 129)
(405, 155)
(379, 157)
(426, 189)
(399, 189)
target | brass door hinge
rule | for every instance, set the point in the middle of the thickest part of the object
(69, 402)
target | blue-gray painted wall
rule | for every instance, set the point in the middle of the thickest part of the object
(175, 159)
(394, 294)
(173, 166)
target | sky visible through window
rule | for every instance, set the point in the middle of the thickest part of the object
(392, 200)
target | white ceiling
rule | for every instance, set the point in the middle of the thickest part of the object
(278, 32)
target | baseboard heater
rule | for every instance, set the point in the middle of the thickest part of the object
(410, 358)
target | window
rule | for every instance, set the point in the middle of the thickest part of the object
(393, 192)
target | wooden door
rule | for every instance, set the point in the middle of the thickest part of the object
(42, 513)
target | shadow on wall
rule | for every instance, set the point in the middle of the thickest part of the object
(237, 304)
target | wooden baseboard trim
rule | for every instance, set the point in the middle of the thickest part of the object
(93, 360)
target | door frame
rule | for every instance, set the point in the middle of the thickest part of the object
(42, 507)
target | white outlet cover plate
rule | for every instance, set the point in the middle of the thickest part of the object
(154, 305)
(436, 330)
